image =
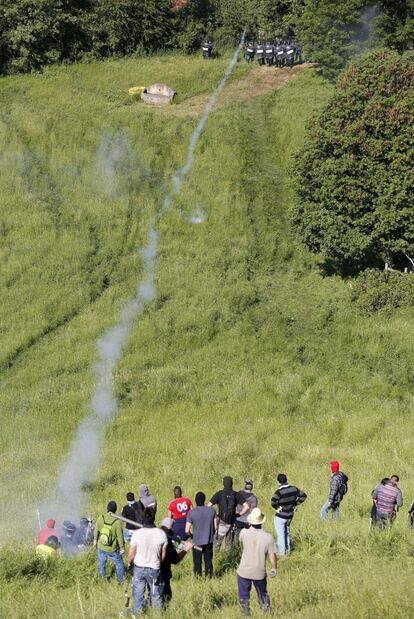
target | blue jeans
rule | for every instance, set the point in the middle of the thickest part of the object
(383, 520)
(127, 533)
(143, 577)
(116, 558)
(282, 533)
(325, 510)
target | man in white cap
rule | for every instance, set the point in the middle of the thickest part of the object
(257, 546)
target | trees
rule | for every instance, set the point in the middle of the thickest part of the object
(330, 35)
(395, 25)
(34, 33)
(354, 178)
(30, 34)
(115, 27)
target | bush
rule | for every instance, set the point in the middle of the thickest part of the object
(383, 290)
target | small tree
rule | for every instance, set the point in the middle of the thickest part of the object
(354, 178)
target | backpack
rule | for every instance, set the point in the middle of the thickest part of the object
(343, 487)
(227, 506)
(106, 533)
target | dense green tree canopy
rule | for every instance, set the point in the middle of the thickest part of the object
(395, 24)
(355, 178)
(331, 35)
(34, 33)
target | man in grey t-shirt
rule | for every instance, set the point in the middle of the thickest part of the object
(202, 520)
(257, 546)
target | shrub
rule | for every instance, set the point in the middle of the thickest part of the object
(383, 290)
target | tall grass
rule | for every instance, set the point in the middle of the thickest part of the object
(248, 362)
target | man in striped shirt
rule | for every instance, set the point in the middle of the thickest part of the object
(388, 498)
(285, 501)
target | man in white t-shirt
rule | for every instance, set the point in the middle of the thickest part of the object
(257, 546)
(147, 550)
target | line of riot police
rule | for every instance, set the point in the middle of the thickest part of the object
(281, 53)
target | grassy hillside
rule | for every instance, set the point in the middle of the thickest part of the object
(249, 362)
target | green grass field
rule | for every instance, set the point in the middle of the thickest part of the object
(249, 361)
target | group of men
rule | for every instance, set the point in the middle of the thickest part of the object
(202, 528)
(280, 54)
(229, 517)
(68, 539)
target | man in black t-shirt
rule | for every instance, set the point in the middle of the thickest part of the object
(173, 557)
(227, 501)
(133, 510)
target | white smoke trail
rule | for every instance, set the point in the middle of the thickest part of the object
(180, 175)
(110, 153)
(83, 460)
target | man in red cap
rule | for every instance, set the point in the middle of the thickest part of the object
(46, 532)
(337, 489)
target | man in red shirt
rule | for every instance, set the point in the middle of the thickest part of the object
(178, 510)
(46, 532)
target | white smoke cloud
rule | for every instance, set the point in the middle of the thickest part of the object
(362, 38)
(198, 216)
(83, 460)
(112, 150)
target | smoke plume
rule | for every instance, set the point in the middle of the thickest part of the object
(82, 463)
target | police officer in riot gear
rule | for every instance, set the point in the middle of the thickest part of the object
(260, 53)
(269, 54)
(250, 50)
(278, 53)
(207, 49)
(290, 55)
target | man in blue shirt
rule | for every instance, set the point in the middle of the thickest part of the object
(202, 520)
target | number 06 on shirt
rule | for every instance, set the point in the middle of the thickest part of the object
(179, 508)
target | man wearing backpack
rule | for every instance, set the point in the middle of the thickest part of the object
(227, 501)
(285, 501)
(338, 487)
(109, 541)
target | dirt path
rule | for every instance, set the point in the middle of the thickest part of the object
(259, 81)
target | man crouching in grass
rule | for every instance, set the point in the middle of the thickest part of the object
(257, 545)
